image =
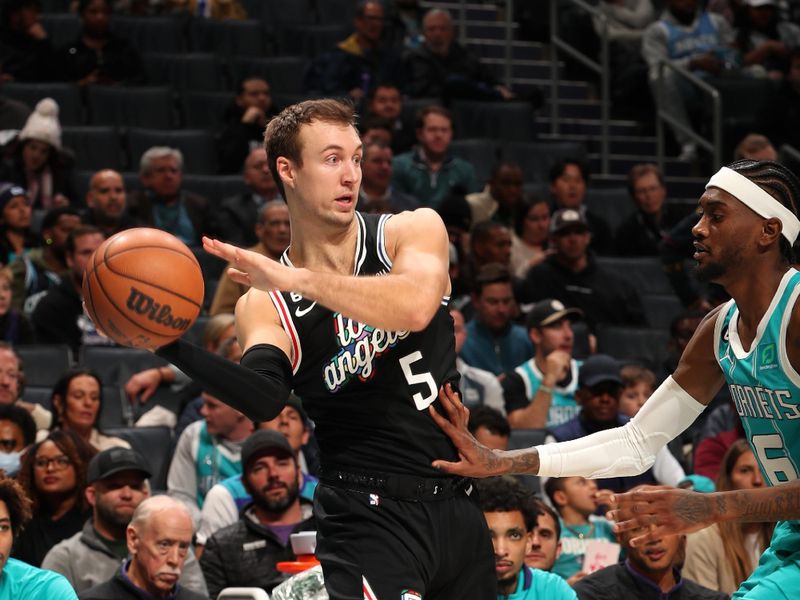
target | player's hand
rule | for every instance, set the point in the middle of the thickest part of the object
(660, 510)
(476, 459)
(251, 268)
(576, 578)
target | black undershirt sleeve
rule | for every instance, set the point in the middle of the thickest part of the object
(258, 387)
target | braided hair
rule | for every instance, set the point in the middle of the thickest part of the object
(780, 183)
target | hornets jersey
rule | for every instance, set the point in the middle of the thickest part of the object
(367, 390)
(764, 387)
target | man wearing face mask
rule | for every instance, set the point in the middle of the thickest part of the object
(17, 432)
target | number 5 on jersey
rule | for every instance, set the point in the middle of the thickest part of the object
(422, 401)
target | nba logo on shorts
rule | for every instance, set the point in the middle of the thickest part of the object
(410, 595)
(374, 500)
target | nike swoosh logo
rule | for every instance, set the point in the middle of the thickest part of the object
(301, 312)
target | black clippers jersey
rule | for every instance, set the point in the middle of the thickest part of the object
(366, 389)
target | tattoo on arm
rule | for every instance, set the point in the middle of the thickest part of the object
(524, 462)
(769, 504)
(693, 508)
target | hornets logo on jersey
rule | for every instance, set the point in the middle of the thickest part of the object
(764, 386)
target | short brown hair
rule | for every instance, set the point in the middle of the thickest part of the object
(634, 374)
(639, 171)
(17, 502)
(282, 136)
(432, 109)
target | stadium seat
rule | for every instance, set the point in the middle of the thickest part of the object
(117, 411)
(580, 347)
(661, 309)
(228, 38)
(284, 74)
(66, 95)
(151, 34)
(95, 147)
(154, 444)
(526, 438)
(536, 158)
(205, 110)
(646, 273)
(482, 154)
(115, 365)
(214, 187)
(613, 205)
(62, 28)
(311, 40)
(506, 121)
(644, 346)
(185, 71)
(282, 13)
(44, 364)
(197, 146)
(38, 395)
(338, 12)
(412, 105)
(131, 107)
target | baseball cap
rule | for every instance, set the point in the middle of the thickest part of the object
(264, 441)
(567, 218)
(549, 311)
(114, 460)
(599, 368)
(9, 191)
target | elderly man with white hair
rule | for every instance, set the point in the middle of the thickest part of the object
(163, 203)
(159, 540)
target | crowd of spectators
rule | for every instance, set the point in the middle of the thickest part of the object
(533, 290)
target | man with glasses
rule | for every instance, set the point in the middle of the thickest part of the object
(11, 380)
(159, 539)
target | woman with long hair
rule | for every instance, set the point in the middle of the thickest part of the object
(77, 400)
(531, 230)
(720, 557)
(53, 475)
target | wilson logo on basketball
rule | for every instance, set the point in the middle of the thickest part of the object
(143, 304)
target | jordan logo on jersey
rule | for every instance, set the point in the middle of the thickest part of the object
(360, 346)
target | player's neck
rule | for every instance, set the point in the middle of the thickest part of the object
(754, 294)
(321, 247)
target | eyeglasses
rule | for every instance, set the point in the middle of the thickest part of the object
(59, 462)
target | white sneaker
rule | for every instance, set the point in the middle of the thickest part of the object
(688, 152)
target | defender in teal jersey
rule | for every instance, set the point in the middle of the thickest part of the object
(744, 241)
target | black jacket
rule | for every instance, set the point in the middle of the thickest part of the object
(140, 207)
(602, 295)
(429, 74)
(117, 62)
(621, 583)
(56, 316)
(237, 139)
(245, 554)
(236, 220)
(120, 587)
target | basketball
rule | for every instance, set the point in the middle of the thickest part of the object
(143, 288)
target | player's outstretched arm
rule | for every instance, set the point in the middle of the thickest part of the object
(660, 511)
(405, 299)
(476, 460)
(622, 451)
(259, 386)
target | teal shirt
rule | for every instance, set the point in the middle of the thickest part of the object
(21, 581)
(563, 406)
(764, 386)
(573, 544)
(211, 465)
(411, 175)
(534, 584)
(496, 354)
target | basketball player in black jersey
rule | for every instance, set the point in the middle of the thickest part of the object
(354, 319)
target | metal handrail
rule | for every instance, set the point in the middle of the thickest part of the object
(601, 68)
(509, 41)
(664, 115)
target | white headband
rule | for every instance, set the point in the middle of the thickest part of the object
(751, 195)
